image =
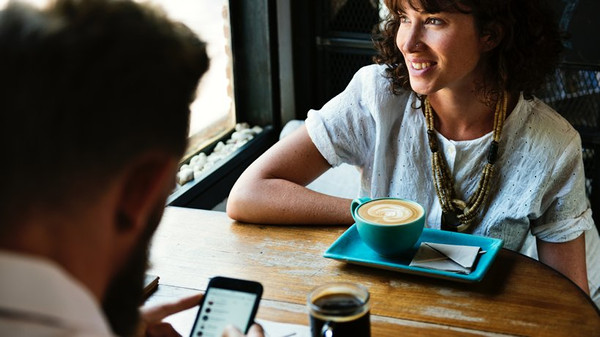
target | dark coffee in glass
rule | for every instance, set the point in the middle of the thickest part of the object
(339, 309)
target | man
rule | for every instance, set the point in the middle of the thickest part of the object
(94, 109)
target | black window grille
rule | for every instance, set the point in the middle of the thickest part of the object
(574, 91)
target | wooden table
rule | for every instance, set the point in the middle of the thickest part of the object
(518, 296)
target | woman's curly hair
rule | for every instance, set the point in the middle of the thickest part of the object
(527, 53)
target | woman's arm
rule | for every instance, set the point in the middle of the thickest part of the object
(567, 258)
(272, 189)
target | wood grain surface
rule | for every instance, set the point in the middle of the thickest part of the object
(518, 296)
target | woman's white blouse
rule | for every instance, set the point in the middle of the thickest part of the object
(538, 187)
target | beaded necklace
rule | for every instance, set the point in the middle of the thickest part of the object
(458, 215)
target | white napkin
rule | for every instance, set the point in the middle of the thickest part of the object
(452, 258)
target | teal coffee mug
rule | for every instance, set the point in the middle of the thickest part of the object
(389, 226)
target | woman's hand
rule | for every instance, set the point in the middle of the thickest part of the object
(152, 324)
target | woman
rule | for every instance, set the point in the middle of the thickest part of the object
(448, 119)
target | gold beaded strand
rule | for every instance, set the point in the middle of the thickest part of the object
(465, 212)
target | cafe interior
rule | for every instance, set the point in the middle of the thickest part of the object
(271, 62)
(296, 56)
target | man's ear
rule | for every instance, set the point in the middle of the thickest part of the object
(145, 184)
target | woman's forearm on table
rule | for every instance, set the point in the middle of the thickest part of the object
(278, 201)
(272, 189)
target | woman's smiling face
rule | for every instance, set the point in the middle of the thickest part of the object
(441, 50)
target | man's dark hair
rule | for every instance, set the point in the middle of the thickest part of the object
(85, 86)
(528, 52)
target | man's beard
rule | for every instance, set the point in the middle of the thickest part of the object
(125, 292)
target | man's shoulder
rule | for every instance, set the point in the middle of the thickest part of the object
(37, 292)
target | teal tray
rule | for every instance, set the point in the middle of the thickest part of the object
(351, 249)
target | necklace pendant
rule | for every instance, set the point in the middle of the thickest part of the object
(450, 222)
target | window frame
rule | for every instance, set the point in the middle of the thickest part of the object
(254, 48)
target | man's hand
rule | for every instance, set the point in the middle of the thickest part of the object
(153, 325)
(151, 318)
(255, 331)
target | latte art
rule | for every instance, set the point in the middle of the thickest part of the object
(389, 212)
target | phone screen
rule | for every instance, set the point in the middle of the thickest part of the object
(222, 307)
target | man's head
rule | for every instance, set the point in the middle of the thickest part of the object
(85, 87)
(94, 111)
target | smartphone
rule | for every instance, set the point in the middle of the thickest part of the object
(227, 301)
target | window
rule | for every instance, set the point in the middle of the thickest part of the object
(213, 111)
(242, 44)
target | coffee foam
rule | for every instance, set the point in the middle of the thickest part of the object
(389, 211)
